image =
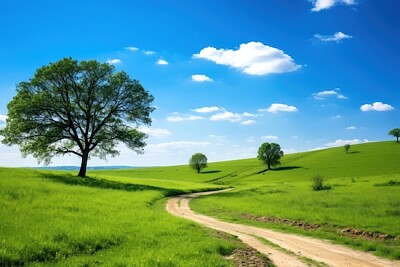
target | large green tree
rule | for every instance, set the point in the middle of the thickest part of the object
(270, 154)
(82, 108)
(198, 162)
(396, 133)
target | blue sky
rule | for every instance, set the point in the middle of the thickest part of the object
(226, 75)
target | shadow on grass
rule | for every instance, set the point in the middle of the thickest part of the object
(353, 152)
(208, 172)
(107, 184)
(286, 168)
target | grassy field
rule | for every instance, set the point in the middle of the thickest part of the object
(364, 194)
(52, 218)
(118, 217)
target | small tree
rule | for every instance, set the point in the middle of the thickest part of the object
(347, 147)
(396, 133)
(270, 154)
(198, 162)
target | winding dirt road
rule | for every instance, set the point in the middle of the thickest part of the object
(294, 249)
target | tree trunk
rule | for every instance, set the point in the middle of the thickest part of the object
(82, 171)
(198, 170)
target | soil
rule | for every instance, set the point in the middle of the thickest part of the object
(288, 249)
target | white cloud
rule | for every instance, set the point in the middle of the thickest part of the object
(324, 94)
(326, 4)
(336, 117)
(114, 61)
(155, 132)
(233, 117)
(377, 106)
(162, 62)
(207, 109)
(132, 49)
(250, 139)
(351, 128)
(149, 52)
(277, 107)
(178, 118)
(248, 122)
(269, 137)
(227, 116)
(253, 58)
(3, 118)
(341, 142)
(336, 37)
(201, 78)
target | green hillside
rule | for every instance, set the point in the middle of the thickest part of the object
(118, 217)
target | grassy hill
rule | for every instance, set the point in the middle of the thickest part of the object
(118, 218)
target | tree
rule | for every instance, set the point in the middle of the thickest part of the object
(347, 147)
(396, 133)
(198, 161)
(270, 153)
(82, 108)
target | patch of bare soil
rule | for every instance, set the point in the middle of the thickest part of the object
(366, 234)
(249, 257)
(348, 231)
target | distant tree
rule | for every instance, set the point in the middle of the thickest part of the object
(198, 162)
(270, 154)
(81, 108)
(347, 147)
(396, 133)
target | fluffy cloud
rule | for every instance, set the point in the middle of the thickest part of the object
(149, 52)
(248, 122)
(132, 49)
(201, 78)
(207, 109)
(155, 132)
(326, 4)
(226, 116)
(114, 61)
(233, 117)
(269, 137)
(162, 62)
(253, 58)
(324, 94)
(177, 145)
(377, 106)
(277, 107)
(341, 142)
(336, 37)
(178, 118)
(3, 118)
(351, 128)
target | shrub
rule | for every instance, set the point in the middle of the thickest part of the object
(318, 183)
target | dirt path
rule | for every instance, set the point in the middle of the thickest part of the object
(297, 247)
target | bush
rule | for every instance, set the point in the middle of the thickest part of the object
(318, 184)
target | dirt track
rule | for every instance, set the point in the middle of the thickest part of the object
(298, 246)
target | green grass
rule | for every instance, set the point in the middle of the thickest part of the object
(118, 217)
(52, 218)
(364, 192)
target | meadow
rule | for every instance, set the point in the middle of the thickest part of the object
(362, 208)
(118, 217)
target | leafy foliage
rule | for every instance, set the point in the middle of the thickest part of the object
(81, 108)
(347, 147)
(318, 184)
(396, 133)
(198, 162)
(270, 154)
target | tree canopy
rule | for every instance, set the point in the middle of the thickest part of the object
(82, 108)
(396, 133)
(270, 154)
(198, 162)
